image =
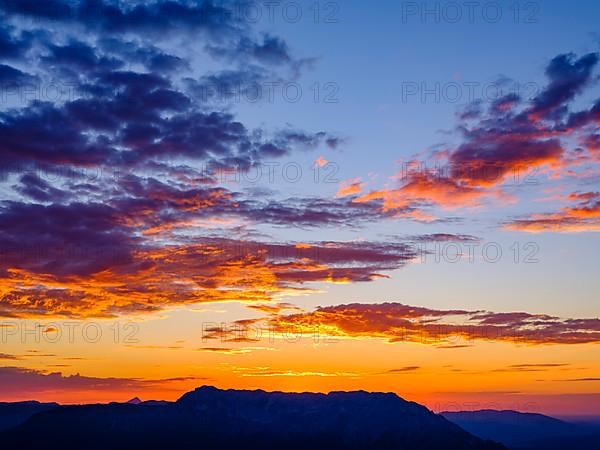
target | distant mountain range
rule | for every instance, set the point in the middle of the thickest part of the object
(209, 418)
(525, 431)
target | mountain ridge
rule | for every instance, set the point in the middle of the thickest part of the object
(526, 431)
(213, 418)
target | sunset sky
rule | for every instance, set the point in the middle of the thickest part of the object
(302, 196)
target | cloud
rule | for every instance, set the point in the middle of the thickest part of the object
(104, 246)
(444, 237)
(452, 346)
(498, 145)
(115, 17)
(138, 279)
(568, 76)
(582, 379)
(397, 322)
(273, 308)
(269, 372)
(110, 246)
(111, 111)
(313, 212)
(539, 365)
(226, 351)
(231, 351)
(583, 216)
(10, 77)
(35, 382)
(20, 384)
(271, 50)
(423, 189)
(353, 186)
(402, 370)
(13, 45)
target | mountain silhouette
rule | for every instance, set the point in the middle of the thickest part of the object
(13, 414)
(211, 418)
(526, 431)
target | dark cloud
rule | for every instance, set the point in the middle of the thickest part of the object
(35, 382)
(44, 133)
(11, 77)
(132, 126)
(568, 76)
(583, 118)
(116, 112)
(36, 188)
(13, 46)
(78, 56)
(151, 57)
(114, 16)
(62, 240)
(312, 212)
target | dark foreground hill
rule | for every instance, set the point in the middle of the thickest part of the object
(526, 431)
(209, 418)
(14, 414)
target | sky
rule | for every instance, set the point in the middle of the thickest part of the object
(301, 196)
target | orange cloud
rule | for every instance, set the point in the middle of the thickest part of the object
(585, 216)
(349, 187)
(426, 188)
(397, 322)
(207, 271)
